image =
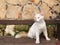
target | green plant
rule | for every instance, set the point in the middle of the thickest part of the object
(51, 29)
(2, 30)
(20, 28)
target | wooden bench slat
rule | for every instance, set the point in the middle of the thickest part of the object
(16, 22)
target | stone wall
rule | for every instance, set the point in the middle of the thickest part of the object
(2, 9)
(25, 9)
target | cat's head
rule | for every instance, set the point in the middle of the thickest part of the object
(38, 17)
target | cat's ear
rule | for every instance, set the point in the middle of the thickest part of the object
(41, 13)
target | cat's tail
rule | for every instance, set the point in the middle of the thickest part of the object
(21, 34)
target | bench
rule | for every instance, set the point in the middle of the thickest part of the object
(30, 22)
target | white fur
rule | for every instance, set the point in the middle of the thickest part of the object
(37, 28)
(9, 29)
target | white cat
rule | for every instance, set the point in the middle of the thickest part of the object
(37, 28)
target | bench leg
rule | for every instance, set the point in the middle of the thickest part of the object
(58, 31)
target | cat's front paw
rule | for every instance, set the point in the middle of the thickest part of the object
(48, 39)
(37, 42)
